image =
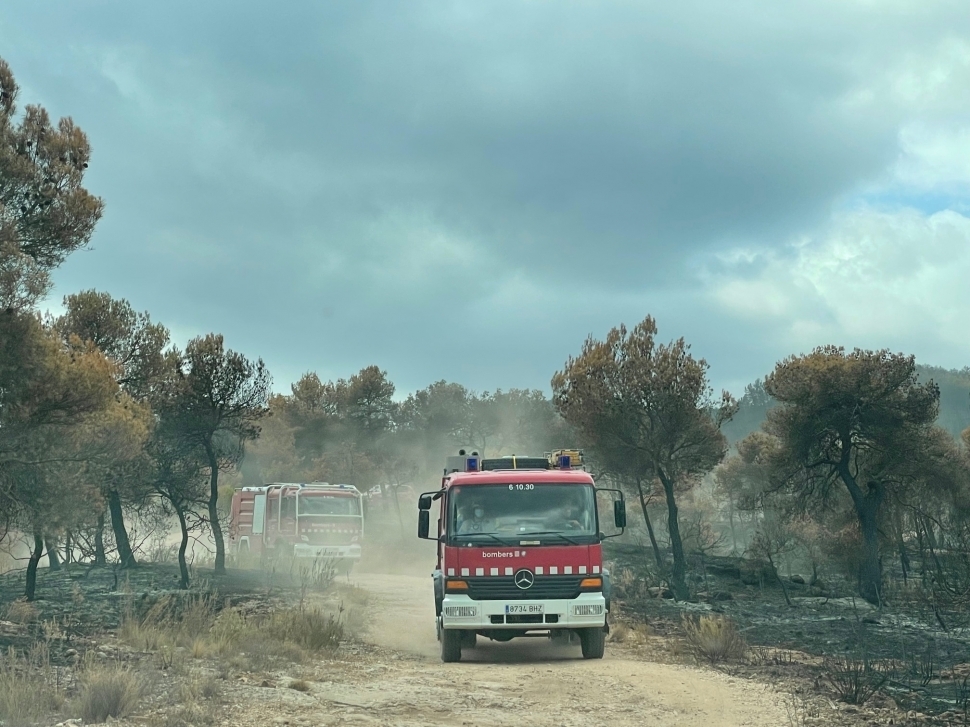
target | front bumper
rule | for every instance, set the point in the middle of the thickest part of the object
(327, 552)
(461, 612)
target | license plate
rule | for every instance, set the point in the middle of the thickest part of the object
(525, 609)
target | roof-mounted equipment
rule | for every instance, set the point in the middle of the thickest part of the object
(463, 463)
(512, 462)
(566, 459)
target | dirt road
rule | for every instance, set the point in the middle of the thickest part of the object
(527, 681)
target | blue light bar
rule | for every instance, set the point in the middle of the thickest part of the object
(564, 462)
(471, 464)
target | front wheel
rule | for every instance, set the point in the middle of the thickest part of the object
(450, 645)
(593, 642)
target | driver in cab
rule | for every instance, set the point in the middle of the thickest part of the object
(566, 517)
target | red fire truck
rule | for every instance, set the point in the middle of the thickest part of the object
(519, 551)
(312, 520)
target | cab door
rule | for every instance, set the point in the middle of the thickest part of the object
(288, 514)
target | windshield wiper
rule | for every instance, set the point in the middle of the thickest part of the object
(553, 532)
(497, 539)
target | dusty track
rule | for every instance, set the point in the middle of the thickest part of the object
(530, 681)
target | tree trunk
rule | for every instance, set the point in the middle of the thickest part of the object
(678, 575)
(781, 581)
(125, 554)
(99, 556)
(870, 571)
(32, 564)
(214, 524)
(734, 534)
(922, 552)
(867, 510)
(69, 548)
(53, 562)
(903, 558)
(646, 518)
(183, 546)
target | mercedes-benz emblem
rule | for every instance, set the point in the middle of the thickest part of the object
(524, 579)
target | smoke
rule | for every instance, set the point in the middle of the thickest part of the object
(353, 432)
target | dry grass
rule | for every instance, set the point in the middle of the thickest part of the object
(172, 633)
(173, 621)
(21, 611)
(353, 594)
(226, 633)
(194, 714)
(179, 628)
(714, 639)
(633, 634)
(196, 625)
(310, 629)
(199, 688)
(28, 687)
(109, 691)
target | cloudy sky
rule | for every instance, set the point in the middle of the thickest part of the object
(466, 190)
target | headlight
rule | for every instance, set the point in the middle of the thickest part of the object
(588, 609)
(461, 611)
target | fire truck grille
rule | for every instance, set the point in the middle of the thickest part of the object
(503, 588)
(328, 538)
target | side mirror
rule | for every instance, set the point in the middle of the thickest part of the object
(424, 502)
(424, 523)
(619, 513)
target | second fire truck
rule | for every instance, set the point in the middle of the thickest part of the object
(519, 551)
(313, 520)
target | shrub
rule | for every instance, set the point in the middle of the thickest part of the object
(228, 630)
(714, 639)
(619, 633)
(622, 633)
(189, 715)
(21, 611)
(300, 685)
(310, 629)
(27, 691)
(853, 680)
(172, 620)
(142, 635)
(108, 692)
(197, 688)
(317, 575)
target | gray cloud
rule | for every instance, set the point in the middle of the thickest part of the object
(333, 185)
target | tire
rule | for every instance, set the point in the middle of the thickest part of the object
(593, 642)
(468, 639)
(450, 645)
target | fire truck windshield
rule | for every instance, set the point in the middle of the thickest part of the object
(515, 511)
(328, 505)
